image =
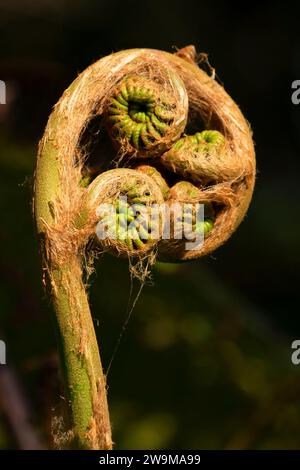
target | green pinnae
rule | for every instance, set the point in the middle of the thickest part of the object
(124, 93)
(146, 137)
(129, 242)
(163, 113)
(160, 126)
(135, 236)
(210, 138)
(116, 111)
(206, 226)
(189, 220)
(117, 104)
(136, 135)
(179, 144)
(209, 219)
(121, 207)
(152, 132)
(143, 232)
(137, 113)
(122, 100)
(139, 116)
(145, 199)
(201, 141)
(121, 233)
(122, 219)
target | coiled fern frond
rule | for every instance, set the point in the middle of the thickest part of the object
(147, 101)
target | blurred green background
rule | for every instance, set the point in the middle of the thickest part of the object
(205, 361)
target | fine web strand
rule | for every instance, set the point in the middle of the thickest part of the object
(129, 311)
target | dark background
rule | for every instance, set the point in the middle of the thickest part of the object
(205, 361)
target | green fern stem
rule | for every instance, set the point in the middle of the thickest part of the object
(84, 380)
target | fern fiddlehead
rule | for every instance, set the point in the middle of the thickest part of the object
(125, 224)
(205, 157)
(145, 98)
(142, 115)
(188, 194)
